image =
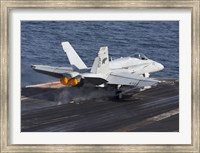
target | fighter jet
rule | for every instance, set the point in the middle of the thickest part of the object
(125, 71)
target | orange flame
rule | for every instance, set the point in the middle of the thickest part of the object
(64, 80)
(73, 82)
(67, 82)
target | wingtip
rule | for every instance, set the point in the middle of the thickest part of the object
(33, 66)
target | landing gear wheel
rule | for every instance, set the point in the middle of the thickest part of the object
(119, 94)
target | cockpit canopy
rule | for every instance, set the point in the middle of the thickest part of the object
(139, 56)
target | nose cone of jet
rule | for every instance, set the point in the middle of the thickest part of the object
(159, 66)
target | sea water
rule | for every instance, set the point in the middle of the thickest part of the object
(41, 44)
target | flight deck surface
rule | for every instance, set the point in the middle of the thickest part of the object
(52, 107)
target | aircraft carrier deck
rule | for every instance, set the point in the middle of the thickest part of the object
(52, 107)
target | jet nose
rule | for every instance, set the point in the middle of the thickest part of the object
(159, 66)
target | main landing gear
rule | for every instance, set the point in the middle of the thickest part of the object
(118, 92)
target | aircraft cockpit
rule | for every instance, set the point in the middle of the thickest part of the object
(139, 56)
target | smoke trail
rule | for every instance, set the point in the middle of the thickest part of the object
(78, 95)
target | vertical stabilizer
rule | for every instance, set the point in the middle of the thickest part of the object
(73, 57)
(101, 62)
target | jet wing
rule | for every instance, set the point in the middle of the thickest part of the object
(55, 71)
(125, 78)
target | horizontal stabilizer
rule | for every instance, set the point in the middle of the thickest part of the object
(55, 71)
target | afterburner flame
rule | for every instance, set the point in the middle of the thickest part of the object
(64, 80)
(67, 82)
(73, 82)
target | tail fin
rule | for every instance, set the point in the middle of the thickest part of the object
(73, 57)
(101, 62)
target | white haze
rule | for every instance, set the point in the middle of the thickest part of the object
(76, 95)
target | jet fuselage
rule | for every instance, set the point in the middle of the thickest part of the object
(134, 65)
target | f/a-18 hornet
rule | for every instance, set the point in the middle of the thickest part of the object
(125, 71)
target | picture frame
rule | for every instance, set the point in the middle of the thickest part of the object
(6, 6)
